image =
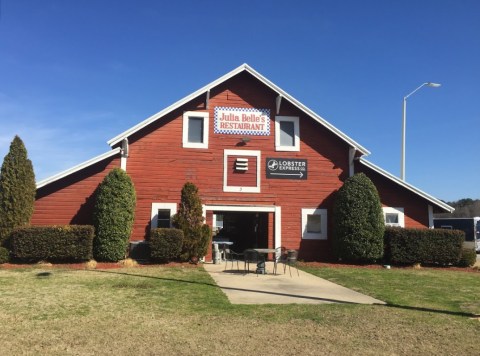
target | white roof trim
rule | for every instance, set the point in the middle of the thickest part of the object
(247, 68)
(404, 184)
(78, 167)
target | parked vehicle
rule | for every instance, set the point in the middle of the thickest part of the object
(471, 227)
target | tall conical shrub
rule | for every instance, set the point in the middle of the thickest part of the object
(358, 225)
(190, 219)
(17, 189)
(113, 216)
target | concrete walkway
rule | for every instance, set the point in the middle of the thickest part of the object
(304, 288)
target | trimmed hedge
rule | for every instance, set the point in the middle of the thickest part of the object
(165, 244)
(427, 246)
(468, 259)
(4, 255)
(69, 243)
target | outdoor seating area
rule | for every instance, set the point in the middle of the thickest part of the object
(254, 260)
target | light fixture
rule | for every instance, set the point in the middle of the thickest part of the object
(404, 123)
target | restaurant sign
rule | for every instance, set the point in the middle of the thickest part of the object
(286, 168)
(242, 121)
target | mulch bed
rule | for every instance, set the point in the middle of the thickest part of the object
(114, 265)
(345, 265)
(100, 265)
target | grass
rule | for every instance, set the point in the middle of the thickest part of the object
(160, 311)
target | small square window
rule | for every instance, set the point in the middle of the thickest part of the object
(314, 224)
(195, 129)
(287, 133)
(394, 216)
(163, 218)
(162, 214)
(391, 218)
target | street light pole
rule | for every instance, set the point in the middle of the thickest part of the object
(404, 125)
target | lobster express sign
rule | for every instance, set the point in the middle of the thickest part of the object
(286, 168)
(242, 121)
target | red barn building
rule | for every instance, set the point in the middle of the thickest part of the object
(267, 168)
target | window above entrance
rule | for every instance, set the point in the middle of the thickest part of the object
(195, 129)
(287, 133)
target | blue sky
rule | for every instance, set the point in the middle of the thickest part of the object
(74, 74)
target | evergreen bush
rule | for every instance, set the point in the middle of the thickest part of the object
(468, 258)
(190, 220)
(358, 223)
(17, 190)
(4, 255)
(426, 246)
(113, 216)
(66, 243)
(165, 244)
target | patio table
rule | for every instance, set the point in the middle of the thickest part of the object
(216, 250)
(261, 265)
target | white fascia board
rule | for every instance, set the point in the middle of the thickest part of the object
(78, 167)
(404, 184)
(175, 105)
(261, 78)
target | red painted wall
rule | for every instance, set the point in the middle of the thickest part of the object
(70, 200)
(159, 166)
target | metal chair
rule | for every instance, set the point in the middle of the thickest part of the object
(232, 257)
(291, 259)
(280, 257)
(251, 256)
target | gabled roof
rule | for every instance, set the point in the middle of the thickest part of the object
(404, 184)
(243, 68)
(78, 167)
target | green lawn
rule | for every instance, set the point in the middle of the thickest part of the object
(165, 311)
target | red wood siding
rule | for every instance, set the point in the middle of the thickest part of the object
(242, 178)
(159, 166)
(70, 200)
(393, 195)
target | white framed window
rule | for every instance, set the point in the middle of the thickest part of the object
(287, 133)
(162, 214)
(394, 216)
(195, 129)
(243, 181)
(314, 224)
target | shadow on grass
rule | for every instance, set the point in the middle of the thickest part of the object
(229, 288)
(404, 307)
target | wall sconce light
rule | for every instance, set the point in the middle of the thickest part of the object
(245, 139)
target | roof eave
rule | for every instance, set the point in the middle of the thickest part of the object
(78, 167)
(268, 83)
(408, 186)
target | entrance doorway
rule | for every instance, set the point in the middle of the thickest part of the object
(244, 229)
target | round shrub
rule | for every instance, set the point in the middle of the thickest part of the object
(4, 255)
(113, 216)
(165, 244)
(468, 259)
(358, 224)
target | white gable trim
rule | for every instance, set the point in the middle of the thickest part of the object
(404, 184)
(244, 67)
(78, 167)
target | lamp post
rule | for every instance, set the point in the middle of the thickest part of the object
(404, 124)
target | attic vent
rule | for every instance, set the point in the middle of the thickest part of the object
(241, 164)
